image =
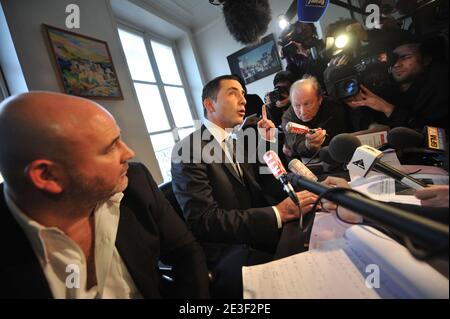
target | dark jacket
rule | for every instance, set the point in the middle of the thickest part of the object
(332, 116)
(219, 208)
(149, 230)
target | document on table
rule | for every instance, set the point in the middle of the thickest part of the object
(386, 189)
(344, 268)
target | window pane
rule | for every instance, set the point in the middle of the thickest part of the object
(179, 106)
(137, 56)
(166, 63)
(185, 132)
(163, 144)
(152, 107)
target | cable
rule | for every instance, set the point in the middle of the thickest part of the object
(414, 251)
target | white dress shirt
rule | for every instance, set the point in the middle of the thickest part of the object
(61, 258)
(221, 136)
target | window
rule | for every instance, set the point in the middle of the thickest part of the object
(161, 93)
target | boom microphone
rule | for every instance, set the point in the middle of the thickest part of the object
(311, 10)
(347, 149)
(247, 21)
(276, 167)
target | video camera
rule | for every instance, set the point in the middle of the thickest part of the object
(372, 71)
(278, 94)
(343, 80)
(303, 33)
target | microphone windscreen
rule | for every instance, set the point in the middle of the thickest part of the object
(274, 163)
(343, 146)
(402, 137)
(311, 10)
(247, 21)
(324, 155)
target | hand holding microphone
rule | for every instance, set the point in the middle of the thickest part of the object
(313, 142)
(288, 208)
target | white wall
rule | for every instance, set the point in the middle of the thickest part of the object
(215, 43)
(25, 19)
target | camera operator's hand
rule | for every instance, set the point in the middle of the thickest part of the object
(314, 141)
(300, 49)
(365, 97)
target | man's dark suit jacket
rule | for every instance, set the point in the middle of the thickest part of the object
(149, 230)
(220, 210)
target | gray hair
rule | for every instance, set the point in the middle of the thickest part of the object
(306, 81)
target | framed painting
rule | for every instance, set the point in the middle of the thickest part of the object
(257, 61)
(83, 64)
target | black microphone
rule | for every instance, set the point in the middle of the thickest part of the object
(414, 147)
(346, 148)
(247, 21)
(402, 138)
(276, 167)
(325, 157)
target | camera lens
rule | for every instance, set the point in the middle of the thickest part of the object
(351, 87)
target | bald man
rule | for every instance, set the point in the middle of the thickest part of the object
(77, 220)
(311, 108)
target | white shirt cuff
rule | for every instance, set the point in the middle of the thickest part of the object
(277, 215)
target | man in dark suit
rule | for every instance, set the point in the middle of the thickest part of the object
(221, 197)
(77, 220)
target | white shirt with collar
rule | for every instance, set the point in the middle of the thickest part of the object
(61, 258)
(222, 135)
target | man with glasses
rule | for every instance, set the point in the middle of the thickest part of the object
(423, 95)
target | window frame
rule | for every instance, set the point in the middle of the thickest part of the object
(148, 37)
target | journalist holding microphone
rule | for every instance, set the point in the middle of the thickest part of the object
(324, 116)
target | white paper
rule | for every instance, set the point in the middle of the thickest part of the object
(326, 227)
(383, 188)
(338, 269)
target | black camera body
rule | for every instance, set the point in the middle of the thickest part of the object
(277, 95)
(293, 33)
(372, 71)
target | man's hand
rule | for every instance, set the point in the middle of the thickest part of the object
(289, 211)
(266, 128)
(434, 195)
(314, 141)
(331, 207)
(365, 97)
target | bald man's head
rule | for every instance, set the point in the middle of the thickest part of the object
(42, 125)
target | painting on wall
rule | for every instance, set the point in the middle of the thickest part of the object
(256, 62)
(83, 64)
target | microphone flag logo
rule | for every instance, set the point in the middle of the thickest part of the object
(316, 3)
(360, 164)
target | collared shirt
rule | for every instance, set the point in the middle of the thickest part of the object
(221, 136)
(64, 263)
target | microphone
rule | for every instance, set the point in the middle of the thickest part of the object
(417, 148)
(300, 169)
(346, 148)
(405, 138)
(311, 10)
(247, 21)
(325, 157)
(295, 128)
(276, 167)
